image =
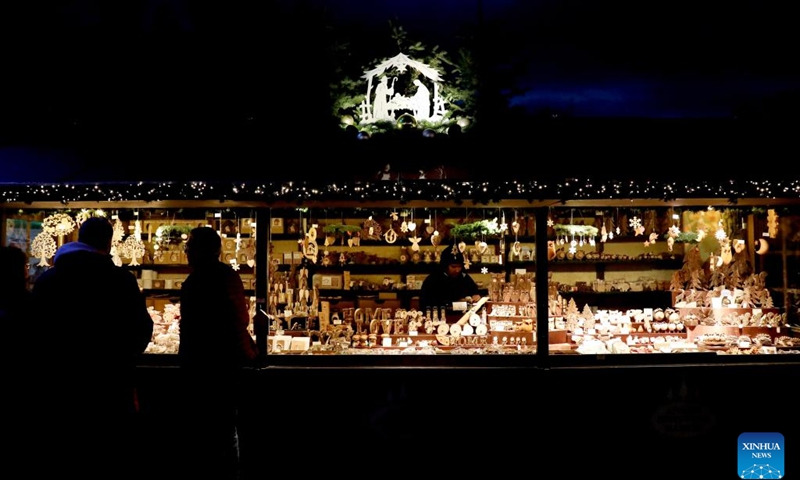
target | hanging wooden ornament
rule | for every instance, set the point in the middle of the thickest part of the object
(44, 247)
(763, 246)
(436, 239)
(309, 243)
(772, 223)
(390, 236)
(415, 242)
(371, 230)
(516, 249)
(429, 228)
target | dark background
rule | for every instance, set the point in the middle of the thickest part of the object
(169, 79)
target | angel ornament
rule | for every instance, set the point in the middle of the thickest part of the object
(415, 243)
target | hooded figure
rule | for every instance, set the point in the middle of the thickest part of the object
(448, 284)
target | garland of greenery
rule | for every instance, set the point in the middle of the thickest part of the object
(341, 228)
(172, 233)
(683, 237)
(474, 230)
(572, 230)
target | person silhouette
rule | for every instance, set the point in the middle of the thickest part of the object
(215, 345)
(380, 105)
(14, 293)
(15, 308)
(448, 284)
(421, 101)
(95, 325)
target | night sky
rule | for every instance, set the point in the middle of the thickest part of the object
(155, 67)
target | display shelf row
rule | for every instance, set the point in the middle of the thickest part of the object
(177, 291)
(405, 240)
(427, 267)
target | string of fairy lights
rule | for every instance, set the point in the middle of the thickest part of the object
(402, 191)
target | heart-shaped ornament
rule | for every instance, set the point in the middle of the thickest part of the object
(250, 262)
(350, 242)
(482, 247)
(435, 238)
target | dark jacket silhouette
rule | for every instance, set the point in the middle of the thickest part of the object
(14, 293)
(93, 324)
(214, 315)
(18, 358)
(448, 284)
(214, 346)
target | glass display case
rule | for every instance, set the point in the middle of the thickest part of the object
(706, 279)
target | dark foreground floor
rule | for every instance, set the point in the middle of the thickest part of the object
(625, 423)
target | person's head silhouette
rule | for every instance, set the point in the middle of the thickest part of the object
(97, 232)
(13, 270)
(204, 245)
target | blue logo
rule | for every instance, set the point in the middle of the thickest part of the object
(761, 455)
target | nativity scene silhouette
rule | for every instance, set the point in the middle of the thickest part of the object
(385, 103)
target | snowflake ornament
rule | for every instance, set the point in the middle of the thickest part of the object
(674, 231)
(550, 222)
(636, 223)
(484, 270)
(720, 233)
